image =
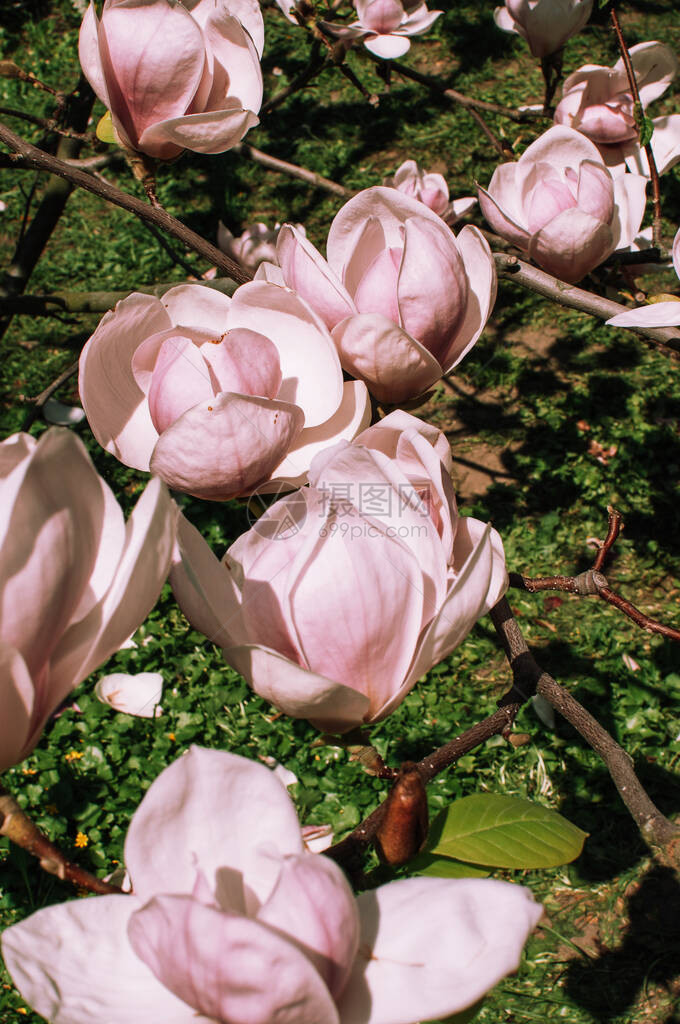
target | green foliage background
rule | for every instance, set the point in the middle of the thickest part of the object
(540, 385)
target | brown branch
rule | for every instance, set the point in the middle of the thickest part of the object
(18, 827)
(666, 339)
(657, 831)
(632, 81)
(595, 583)
(48, 124)
(94, 302)
(43, 161)
(272, 163)
(8, 69)
(349, 850)
(40, 400)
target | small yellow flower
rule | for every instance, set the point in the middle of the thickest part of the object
(73, 755)
(21, 1009)
(29, 771)
(171, 737)
(81, 840)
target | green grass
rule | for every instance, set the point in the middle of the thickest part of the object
(537, 389)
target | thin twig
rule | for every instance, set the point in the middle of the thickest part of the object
(43, 161)
(458, 98)
(317, 61)
(593, 583)
(18, 827)
(49, 124)
(350, 849)
(656, 829)
(273, 163)
(40, 400)
(632, 81)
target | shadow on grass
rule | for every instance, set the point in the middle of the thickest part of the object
(648, 954)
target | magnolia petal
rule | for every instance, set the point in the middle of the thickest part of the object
(347, 634)
(388, 47)
(629, 209)
(655, 67)
(247, 11)
(500, 221)
(353, 416)
(153, 69)
(193, 817)
(676, 252)
(308, 274)
(389, 206)
(313, 905)
(480, 268)
(394, 365)
(659, 314)
(571, 245)
(225, 446)
(595, 191)
(180, 380)
(433, 286)
(232, 48)
(88, 54)
(401, 975)
(137, 695)
(18, 694)
(115, 405)
(560, 147)
(312, 378)
(196, 305)
(245, 362)
(139, 576)
(73, 964)
(229, 968)
(13, 451)
(330, 706)
(61, 415)
(204, 588)
(53, 532)
(214, 131)
(480, 582)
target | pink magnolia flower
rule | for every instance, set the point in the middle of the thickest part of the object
(218, 396)
(176, 75)
(560, 204)
(431, 189)
(230, 920)
(657, 314)
(545, 24)
(404, 298)
(385, 25)
(75, 581)
(256, 245)
(631, 157)
(303, 604)
(598, 102)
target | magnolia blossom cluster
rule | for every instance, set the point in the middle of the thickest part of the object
(561, 205)
(218, 396)
(384, 26)
(231, 920)
(176, 76)
(404, 298)
(256, 244)
(545, 24)
(303, 604)
(75, 580)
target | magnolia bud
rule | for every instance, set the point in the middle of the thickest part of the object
(403, 829)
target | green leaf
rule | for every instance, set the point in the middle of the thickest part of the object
(505, 832)
(444, 867)
(644, 125)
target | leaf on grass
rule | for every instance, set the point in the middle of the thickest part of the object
(505, 832)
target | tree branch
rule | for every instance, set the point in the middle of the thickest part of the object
(94, 302)
(657, 831)
(18, 827)
(666, 339)
(43, 161)
(348, 851)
